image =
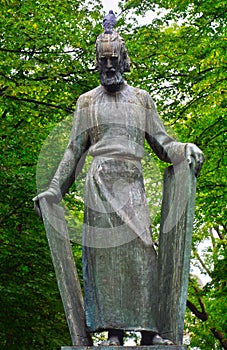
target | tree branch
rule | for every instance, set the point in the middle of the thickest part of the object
(23, 51)
(220, 235)
(218, 121)
(39, 103)
(224, 226)
(202, 263)
(202, 315)
(203, 93)
(221, 337)
(212, 238)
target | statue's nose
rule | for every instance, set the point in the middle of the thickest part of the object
(109, 64)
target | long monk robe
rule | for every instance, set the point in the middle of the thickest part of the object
(119, 260)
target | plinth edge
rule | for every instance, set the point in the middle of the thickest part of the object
(150, 347)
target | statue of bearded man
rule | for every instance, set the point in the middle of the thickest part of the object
(111, 123)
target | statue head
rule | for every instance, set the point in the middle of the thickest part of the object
(112, 59)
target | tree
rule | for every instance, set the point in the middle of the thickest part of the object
(180, 59)
(45, 61)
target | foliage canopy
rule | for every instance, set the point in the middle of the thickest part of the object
(47, 61)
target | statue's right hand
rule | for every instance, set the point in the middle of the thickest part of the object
(50, 196)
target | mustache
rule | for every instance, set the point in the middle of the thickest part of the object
(110, 70)
(111, 80)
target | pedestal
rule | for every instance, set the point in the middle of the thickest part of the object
(151, 347)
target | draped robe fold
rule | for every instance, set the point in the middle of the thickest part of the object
(119, 260)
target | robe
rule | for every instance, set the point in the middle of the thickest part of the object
(119, 260)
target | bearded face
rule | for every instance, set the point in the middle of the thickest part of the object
(110, 70)
(112, 60)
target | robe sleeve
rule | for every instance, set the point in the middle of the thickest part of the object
(165, 147)
(74, 156)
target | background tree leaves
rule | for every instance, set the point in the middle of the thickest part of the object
(180, 58)
(47, 59)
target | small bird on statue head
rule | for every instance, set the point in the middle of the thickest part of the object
(109, 22)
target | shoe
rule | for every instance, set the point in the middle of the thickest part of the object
(157, 340)
(113, 341)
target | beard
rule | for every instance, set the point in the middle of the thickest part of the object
(111, 80)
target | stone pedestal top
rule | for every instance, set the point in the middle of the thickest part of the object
(151, 347)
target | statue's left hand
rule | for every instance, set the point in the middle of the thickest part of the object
(194, 156)
(51, 197)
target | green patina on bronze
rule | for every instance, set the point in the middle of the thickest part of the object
(123, 289)
(119, 260)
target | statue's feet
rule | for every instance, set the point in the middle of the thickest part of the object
(112, 341)
(153, 338)
(157, 340)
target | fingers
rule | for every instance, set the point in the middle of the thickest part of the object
(195, 158)
(190, 154)
(35, 199)
(45, 194)
(199, 159)
(37, 209)
(198, 167)
(39, 196)
(197, 164)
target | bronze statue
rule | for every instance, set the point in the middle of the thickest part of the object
(111, 123)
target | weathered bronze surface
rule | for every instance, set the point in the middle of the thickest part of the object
(119, 260)
(120, 273)
(65, 269)
(175, 249)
